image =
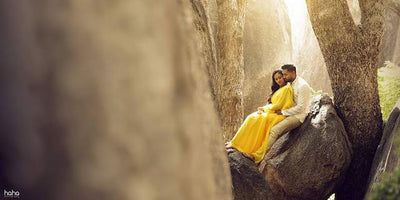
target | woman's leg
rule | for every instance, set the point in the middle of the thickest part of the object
(248, 133)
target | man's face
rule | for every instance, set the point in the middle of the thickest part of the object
(288, 76)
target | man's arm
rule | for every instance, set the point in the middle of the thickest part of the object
(302, 104)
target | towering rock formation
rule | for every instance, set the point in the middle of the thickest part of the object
(391, 39)
(306, 52)
(107, 100)
(267, 45)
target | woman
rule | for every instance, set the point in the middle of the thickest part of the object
(252, 137)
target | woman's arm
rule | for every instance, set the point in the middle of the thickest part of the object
(283, 99)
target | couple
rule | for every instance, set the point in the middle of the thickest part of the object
(286, 109)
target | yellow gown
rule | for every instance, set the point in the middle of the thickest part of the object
(252, 136)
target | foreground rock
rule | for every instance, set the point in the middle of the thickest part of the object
(248, 182)
(305, 164)
(309, 162)
(93, 92)
(386, 158)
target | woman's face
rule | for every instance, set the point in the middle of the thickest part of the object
(279, 79)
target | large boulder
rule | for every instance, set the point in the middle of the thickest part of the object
(310, 161)
(247, 181)
(386, 159)
(306, 163)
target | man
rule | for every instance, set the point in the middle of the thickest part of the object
(295, 115)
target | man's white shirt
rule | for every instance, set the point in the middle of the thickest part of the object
(302, 97)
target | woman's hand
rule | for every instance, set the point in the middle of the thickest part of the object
(260, 110)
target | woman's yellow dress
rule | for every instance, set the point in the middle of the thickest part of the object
(252, 136)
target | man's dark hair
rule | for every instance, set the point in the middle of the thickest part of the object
(289, 67)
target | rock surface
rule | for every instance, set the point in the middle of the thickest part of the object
(288, 38)
(308, 162)
(248, 182)
(107, 100)
(229, 75)
(391, 39)
(353, 51)
(306, 51)
(267, 45)
(307, 54)
(305, 164)
(386, 159)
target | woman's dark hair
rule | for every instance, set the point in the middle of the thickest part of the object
(275, 85)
